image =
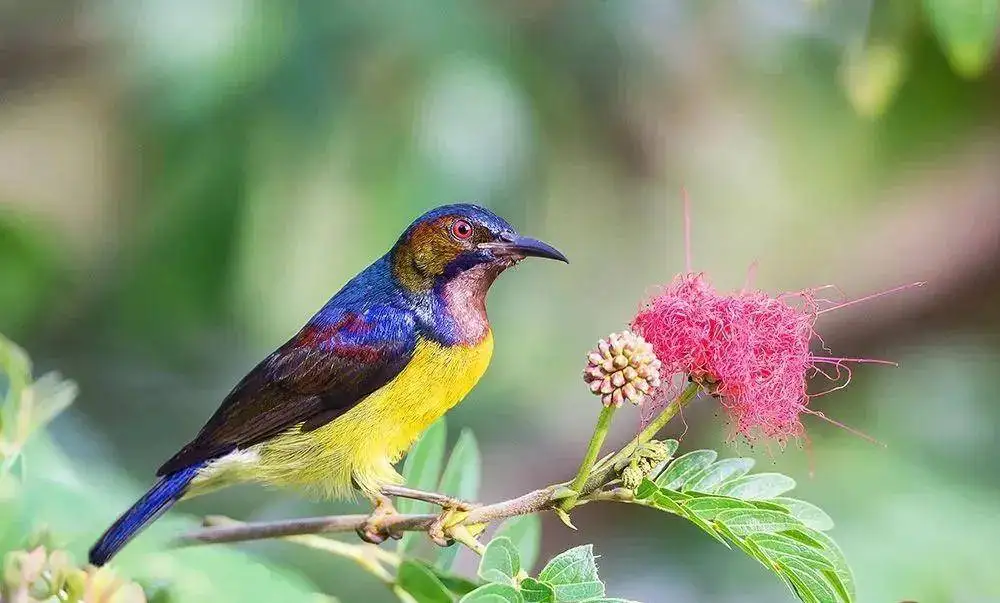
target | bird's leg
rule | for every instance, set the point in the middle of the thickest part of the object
(450, 517)
(373, 530)
(442, 500)
(453, 511)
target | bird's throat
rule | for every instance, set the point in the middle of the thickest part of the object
(461, 304)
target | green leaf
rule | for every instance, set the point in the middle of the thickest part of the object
(758, 486)
(770, 505)
(678, 497)
(671, 446)
(746, 511)
(967, 29)
(807, 513)
(645, 489)
(460, 479)
(744, 522)
(493, 593)
(463, 472)
(421, 470)
(500, 562)
(776, 546)
(685, 467)
(663, 502)
(742, 543)
(573, 575)
(525, 531)
(534, 591)
(578, 591)
(422, 584)
(422, 467)
(833, 577)
(802, 537)
(872, 74)
(455, 583)
(613, 600)
(667, 500)
(709, 507)
(710, 478)
(52, 395)
(811, 583)
(833, 553)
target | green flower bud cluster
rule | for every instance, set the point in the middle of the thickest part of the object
(38, 576)
(646, 458)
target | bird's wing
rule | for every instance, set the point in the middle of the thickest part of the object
(333, 363)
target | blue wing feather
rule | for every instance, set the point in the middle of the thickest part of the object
(357, 343)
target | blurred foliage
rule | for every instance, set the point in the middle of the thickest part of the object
(38, 575)
(252, 156)
(30, 267)
(56, 498)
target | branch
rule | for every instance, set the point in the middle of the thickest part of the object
(220, 530)
(538, 500)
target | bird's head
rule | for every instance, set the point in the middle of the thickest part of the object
(454, 240)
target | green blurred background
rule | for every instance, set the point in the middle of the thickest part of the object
(183, 183)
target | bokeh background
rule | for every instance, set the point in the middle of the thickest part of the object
(183, 183)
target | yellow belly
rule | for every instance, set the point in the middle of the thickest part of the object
(365, 442)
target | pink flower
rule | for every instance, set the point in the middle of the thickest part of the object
(750, 350)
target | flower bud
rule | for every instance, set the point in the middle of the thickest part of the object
(622, 367)
(632, 477)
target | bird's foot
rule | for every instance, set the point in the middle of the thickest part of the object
(374, 529)
(451, 516)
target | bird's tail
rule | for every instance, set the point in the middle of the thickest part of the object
(164, 493)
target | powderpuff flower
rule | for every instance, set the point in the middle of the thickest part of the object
(748, 349)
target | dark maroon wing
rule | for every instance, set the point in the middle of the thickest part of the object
(337, 360)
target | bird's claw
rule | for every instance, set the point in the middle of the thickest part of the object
(374, 530)
(451, 516)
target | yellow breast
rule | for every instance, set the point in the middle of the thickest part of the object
(363, 444)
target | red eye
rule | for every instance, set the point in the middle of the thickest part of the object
(461, 230)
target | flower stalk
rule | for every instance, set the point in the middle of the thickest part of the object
(596, 441)
(599, 475)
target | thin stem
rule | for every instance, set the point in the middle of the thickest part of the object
(596, 441)
(601, 473)
(615, 495)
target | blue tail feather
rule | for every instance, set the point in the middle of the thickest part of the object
(164, 493)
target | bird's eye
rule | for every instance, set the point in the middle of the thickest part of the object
(461, 230)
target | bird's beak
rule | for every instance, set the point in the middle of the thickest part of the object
(516, 245)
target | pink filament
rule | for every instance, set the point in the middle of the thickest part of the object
(871, 297)
(687, 230)
(749, 349)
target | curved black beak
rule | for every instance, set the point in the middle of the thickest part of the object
(511, 244)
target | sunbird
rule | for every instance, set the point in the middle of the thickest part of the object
(335, 407)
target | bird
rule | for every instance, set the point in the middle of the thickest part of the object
(336, 406)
